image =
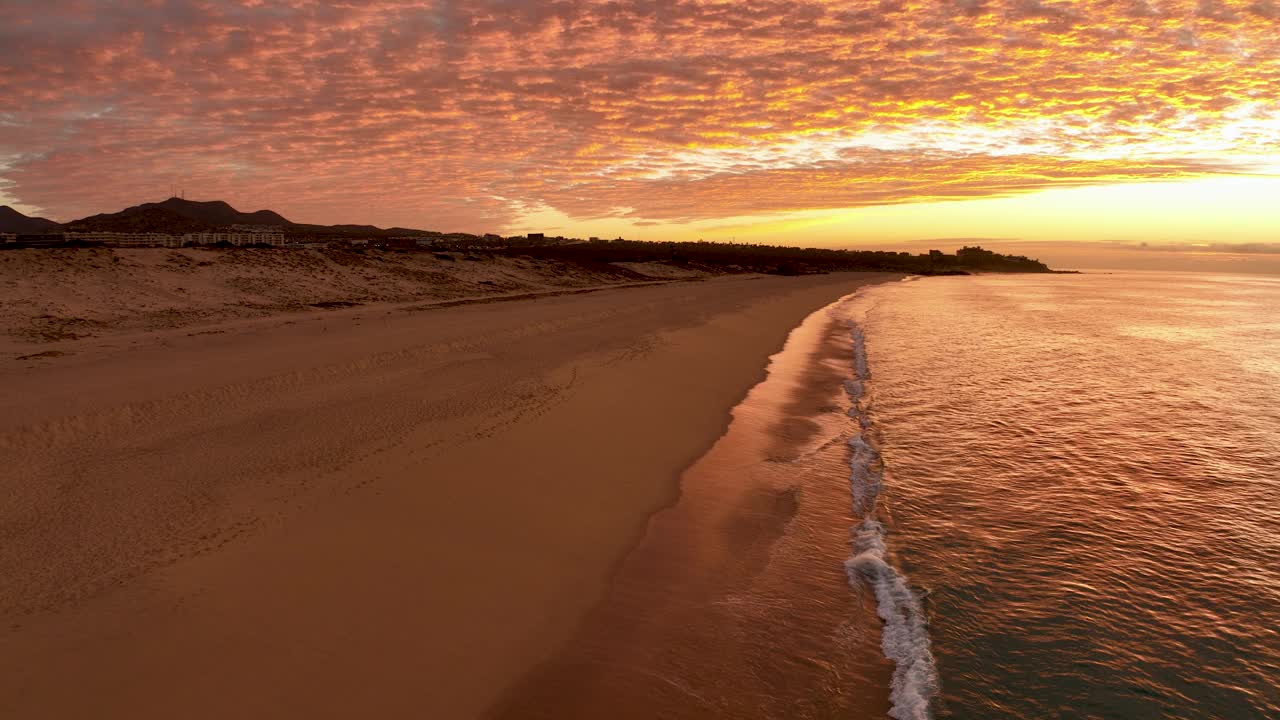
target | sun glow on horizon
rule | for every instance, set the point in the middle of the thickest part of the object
(1185, 211)
(811, 122)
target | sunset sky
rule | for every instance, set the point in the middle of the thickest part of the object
(817, 123)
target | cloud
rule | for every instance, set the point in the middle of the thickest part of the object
(1230, 248)
(459, 114)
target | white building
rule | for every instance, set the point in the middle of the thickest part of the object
(135, 240)
(124, 239)
(234, 238)
(254, 228)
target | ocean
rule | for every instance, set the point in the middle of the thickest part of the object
(1082, 482)
(995, 496)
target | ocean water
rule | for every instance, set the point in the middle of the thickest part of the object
(1081, 480)
(968, 497)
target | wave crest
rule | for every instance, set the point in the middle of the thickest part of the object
(905, 634)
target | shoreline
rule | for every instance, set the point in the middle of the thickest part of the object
(396, 518)
(736, 602)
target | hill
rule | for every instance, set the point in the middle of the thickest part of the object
(12, 221)
(216, 213)
(177, 215)
(152, 219)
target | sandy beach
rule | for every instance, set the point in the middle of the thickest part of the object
(54, 296)
(389, 510)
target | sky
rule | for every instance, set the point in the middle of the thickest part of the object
(811, 123)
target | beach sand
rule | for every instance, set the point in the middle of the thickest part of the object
(736, 602)
(379, 511)
(55, 297)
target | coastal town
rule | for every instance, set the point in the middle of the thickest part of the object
(268, 237)
(256, 237)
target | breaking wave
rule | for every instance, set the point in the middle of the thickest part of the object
(905, 636)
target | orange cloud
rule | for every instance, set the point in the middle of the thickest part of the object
(464, 114)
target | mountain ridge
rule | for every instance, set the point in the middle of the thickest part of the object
(177, 215)
(218, 212)
(12, 221)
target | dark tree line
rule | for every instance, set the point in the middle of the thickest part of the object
(780, 259)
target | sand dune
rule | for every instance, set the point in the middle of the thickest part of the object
(380, 511)
(48, 296)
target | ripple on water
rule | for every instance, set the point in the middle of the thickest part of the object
(1090, 490)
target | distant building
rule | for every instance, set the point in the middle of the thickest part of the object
(106, 238)
(536, 236)
(35, 240)
(123, 239)
(402, 242)
(239, 239)
(136, 240)
(8, 237)
(399, 243)
(975, 252)
(254, 228)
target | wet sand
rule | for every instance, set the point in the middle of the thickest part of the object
(373, 512)
(736, 603)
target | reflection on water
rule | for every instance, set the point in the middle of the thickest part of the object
(1080, 475)
(1091, 494)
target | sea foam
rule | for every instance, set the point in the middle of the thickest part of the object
(905, 635)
